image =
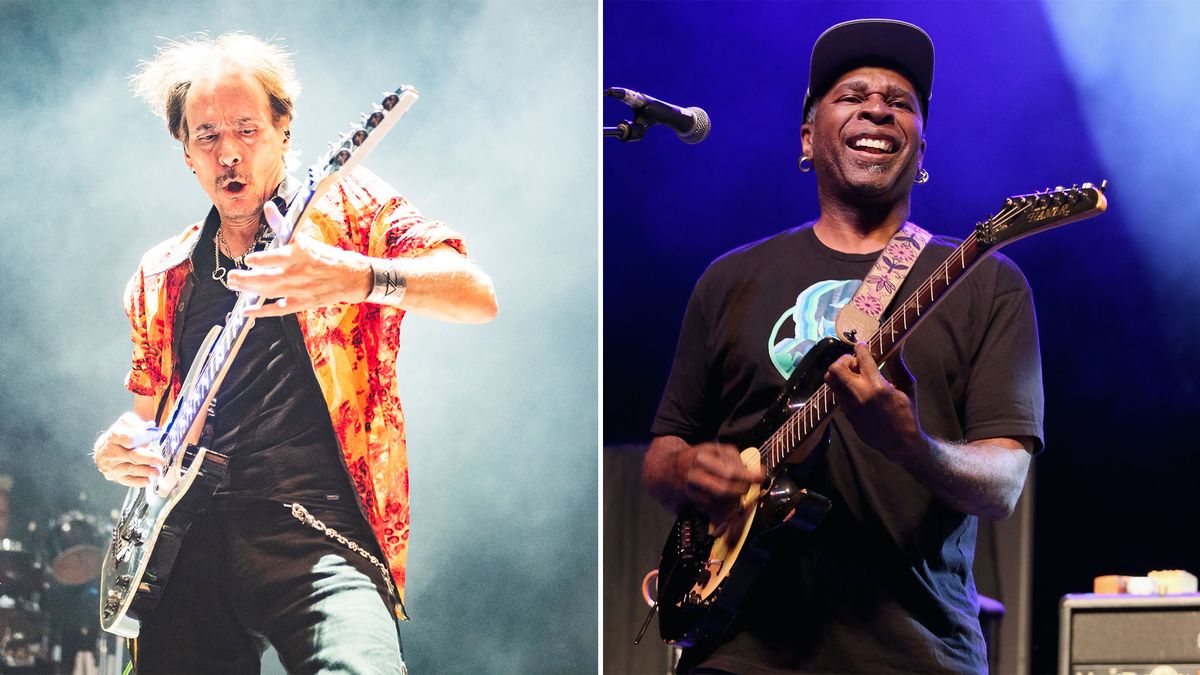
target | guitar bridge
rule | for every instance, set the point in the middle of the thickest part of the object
(684, 542)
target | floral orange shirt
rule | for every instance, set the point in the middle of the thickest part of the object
(352, 347)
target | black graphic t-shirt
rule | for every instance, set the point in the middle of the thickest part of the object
(885, 583)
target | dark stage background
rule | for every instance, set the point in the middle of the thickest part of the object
(1026, 96)
(501, 418)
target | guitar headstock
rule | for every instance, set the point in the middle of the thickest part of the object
(1024, 215)
(352, 146)
(344, 153)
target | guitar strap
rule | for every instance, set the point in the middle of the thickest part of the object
(860, 318)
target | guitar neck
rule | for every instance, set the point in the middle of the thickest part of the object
(883, 345)
(199, 395)
(887, 340)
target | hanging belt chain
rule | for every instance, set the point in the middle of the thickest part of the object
(307, 518)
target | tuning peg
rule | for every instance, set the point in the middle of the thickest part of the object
(371, 121)
(358, 136)
(1059, 188)
(340, 158)
(390, 101)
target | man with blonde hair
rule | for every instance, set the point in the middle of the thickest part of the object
(308, 414)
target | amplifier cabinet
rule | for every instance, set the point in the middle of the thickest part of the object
(1119, 634)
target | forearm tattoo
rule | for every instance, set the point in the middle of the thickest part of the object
(388, 285)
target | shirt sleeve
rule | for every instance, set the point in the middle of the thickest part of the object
(363, 213)
(1005, 397)
(689, 400)
(144, 368)
(399, 230)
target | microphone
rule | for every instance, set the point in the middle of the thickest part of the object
(690, 124)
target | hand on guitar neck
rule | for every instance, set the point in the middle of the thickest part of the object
(709, 476)
(982, 477)
(883, 414)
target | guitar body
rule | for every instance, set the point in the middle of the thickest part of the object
(707, 568)
(147, 537)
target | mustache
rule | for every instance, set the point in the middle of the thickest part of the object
(230, 176)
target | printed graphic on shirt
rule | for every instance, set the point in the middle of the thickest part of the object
(808, 321)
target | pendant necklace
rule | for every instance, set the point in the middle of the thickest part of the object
(219, 271)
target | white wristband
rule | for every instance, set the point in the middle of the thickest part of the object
(387, 284)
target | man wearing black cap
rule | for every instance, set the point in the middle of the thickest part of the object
(884, 583)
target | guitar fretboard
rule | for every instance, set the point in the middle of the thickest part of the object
(222, 351)
(882, 345)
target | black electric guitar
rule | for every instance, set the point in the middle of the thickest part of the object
(708, 567)
(154, 519)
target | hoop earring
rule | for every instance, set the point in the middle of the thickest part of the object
(922, 177)
(802, 165)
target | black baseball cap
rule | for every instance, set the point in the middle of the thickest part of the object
(895, 44)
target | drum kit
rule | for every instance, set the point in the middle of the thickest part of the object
(49, 600)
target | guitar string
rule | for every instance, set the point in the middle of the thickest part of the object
(798, 426)
(777, 444)
(225, 341)
(821, 402)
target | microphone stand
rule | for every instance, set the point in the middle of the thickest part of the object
(627, 131)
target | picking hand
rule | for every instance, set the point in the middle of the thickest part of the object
(715, 478)
(121, 455)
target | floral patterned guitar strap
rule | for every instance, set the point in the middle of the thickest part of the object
(860, 318)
